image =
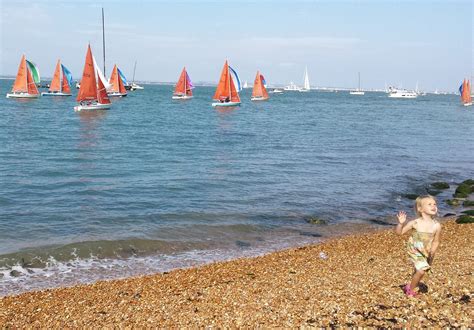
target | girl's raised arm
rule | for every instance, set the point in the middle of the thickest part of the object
(403, 225)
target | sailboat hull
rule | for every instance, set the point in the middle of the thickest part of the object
(258, 98)
(22, 95)
(54, 94)
(467, 104)
(225, 104)
(181, 97)
(92, 107)
(357, 93)
(116, 94)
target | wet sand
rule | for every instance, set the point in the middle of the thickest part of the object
(358, 284)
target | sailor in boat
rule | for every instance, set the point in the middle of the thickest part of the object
(225, 100)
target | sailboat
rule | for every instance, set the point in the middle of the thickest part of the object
(259, 92)
(60, 87)
(226, 93)
(306, 86)
(135, 86)
(24, 85)
(117, 88)
(183, 89)
(465, 90)
(92, 94)
(358, 91)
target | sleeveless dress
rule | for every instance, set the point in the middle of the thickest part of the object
(419, 246)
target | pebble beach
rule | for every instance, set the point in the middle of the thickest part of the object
(354, 280)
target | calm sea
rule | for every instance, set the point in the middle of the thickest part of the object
(155, 184)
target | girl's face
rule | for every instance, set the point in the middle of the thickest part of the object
(428, 206)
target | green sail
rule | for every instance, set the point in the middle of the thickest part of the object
(34, 72)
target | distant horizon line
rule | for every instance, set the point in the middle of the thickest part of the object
(213, 84)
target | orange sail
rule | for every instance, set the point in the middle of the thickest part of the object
(56, 82)
(32, 89)
(259, 90)
(183, 87)
(116, 82)
(469, 97)
(20, 84)
(226, 89)
(102, 96)
(65, 85)
(466, 92)
(88, 90)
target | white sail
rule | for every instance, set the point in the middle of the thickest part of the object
(101, 75)
(306, 80)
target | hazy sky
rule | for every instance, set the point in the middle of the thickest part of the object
(395, 42)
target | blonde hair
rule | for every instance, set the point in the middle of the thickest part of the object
(418, 201)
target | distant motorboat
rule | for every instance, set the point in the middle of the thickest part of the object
(292, 87)
(276, 91)
(401, 93)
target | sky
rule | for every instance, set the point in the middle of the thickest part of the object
(399, 43)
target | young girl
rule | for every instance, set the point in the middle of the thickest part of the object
(424, 240)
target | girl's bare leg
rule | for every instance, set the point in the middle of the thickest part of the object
(416, 278)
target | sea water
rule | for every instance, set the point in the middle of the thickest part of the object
(155, 184)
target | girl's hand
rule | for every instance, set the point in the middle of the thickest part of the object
(402, 217)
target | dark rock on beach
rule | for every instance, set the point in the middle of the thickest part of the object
(316, 221)
(468, 212)
(468, 203)
(411, 196)
(440, 185)
(465, 219)
(453, 202)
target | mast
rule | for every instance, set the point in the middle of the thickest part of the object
(134, 68)
(103, 38)
(359, 80)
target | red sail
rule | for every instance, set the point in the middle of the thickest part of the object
(180, 88)
(56, 82)
(65, 86)
(469, 97)
(32, 89)
(258, 89)
(122, 89)
(88, 90)
(102, 96)
(225, 88)
(20, 84)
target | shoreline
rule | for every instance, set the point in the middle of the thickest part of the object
(359, 283)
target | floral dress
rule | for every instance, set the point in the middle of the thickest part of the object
(419, 247)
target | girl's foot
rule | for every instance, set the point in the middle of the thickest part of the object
(409, 292)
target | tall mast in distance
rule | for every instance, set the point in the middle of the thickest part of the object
(103, 38)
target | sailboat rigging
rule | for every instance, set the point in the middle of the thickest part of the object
(358, 91)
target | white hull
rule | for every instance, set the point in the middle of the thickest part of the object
(277, 91)
(116, 94)
(258, 98)
(135, 87)
(467, 104)
(225, 104)
(357, 93)
(181, 97)
(92, 107)
(402, 96)
(303, 90)
(22, 96)
(54, 94)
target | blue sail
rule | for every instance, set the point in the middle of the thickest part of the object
(239, 85)
(461, 88)
(122, 76)
(67, 74)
